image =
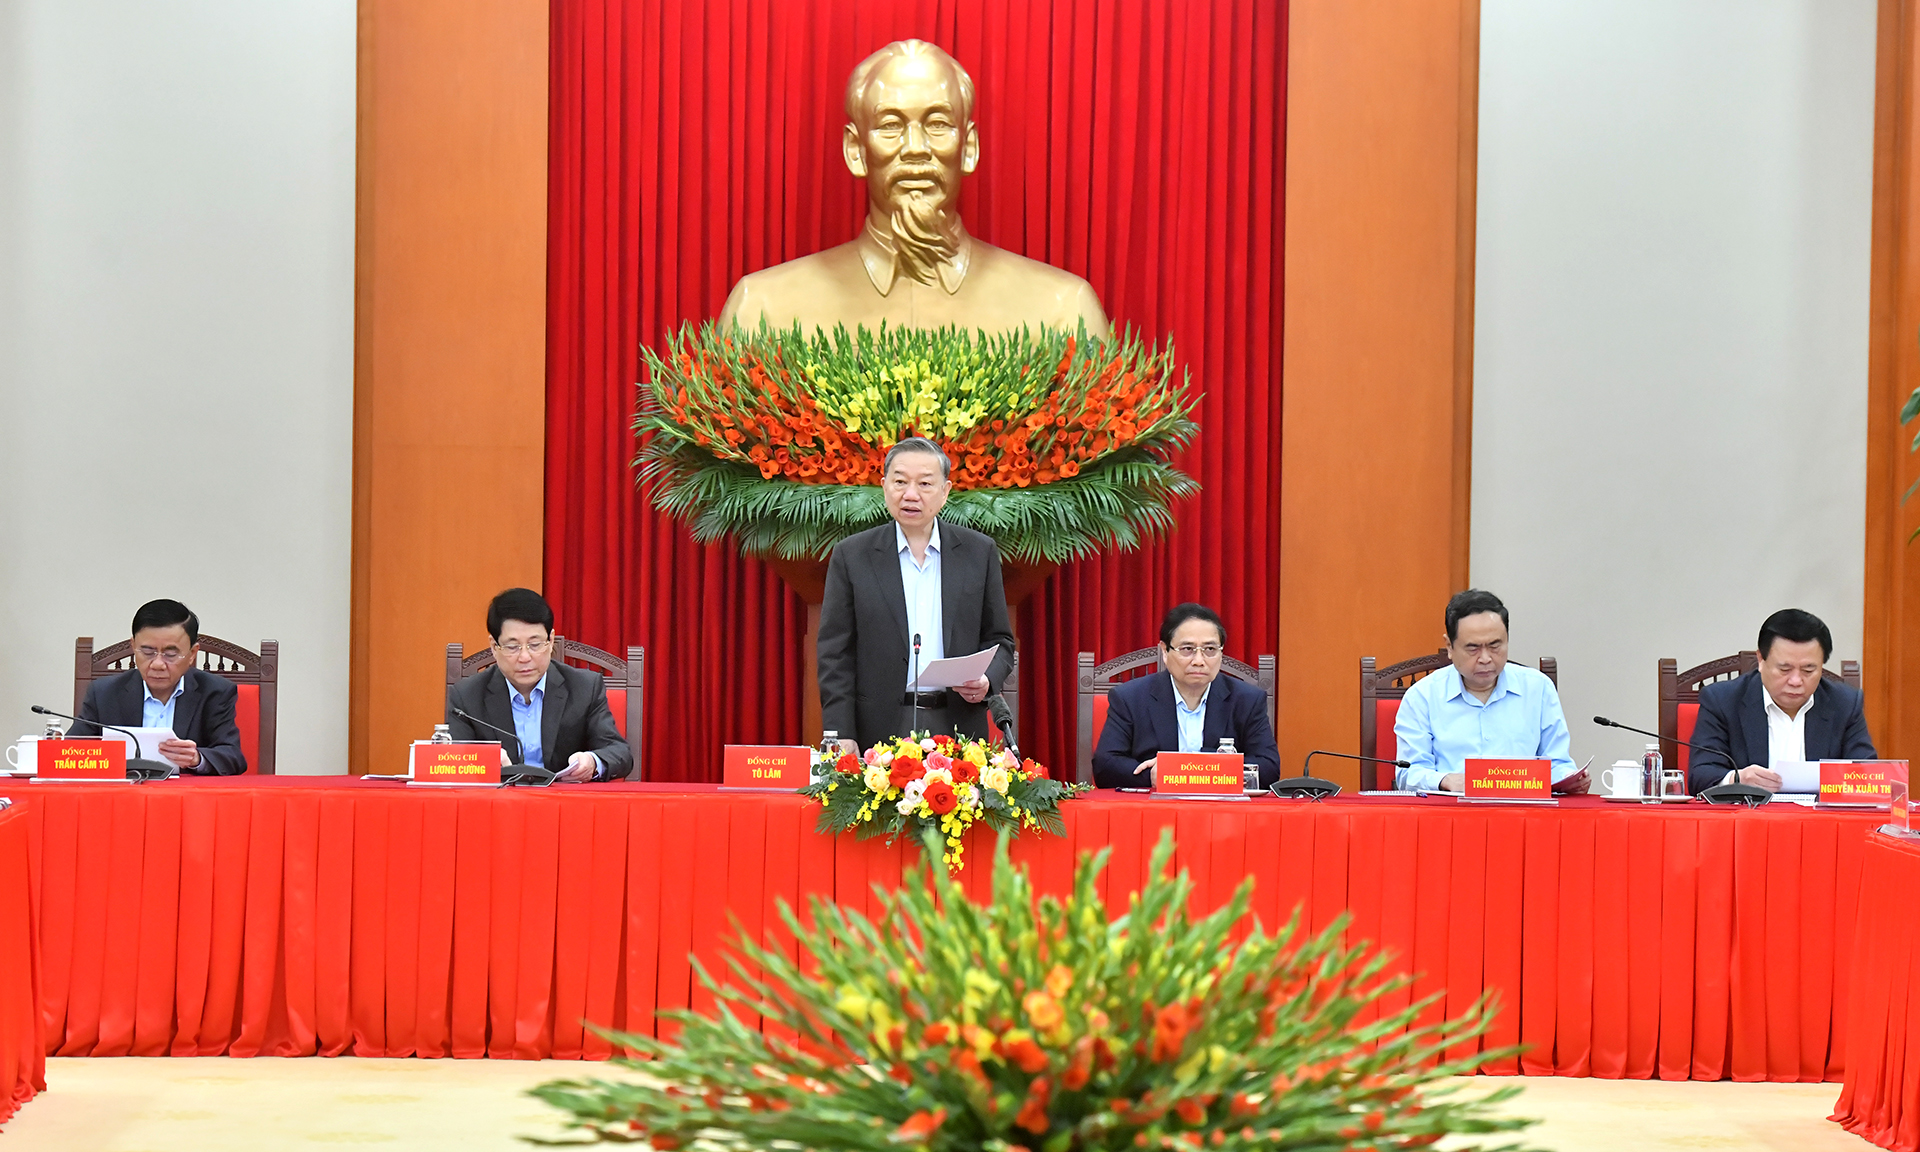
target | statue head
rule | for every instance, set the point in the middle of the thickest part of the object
(910, 135)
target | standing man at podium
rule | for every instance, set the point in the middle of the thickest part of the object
(913, 577)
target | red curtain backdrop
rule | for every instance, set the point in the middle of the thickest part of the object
(1137, 143)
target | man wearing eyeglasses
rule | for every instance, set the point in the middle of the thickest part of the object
(165, 690)
(1188, 709)
(557, 713)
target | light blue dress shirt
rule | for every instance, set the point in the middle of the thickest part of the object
(1192, 721)
(1440, 725)
(921, 582)
(156, 713)
(526, 721)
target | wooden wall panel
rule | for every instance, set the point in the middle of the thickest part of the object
(1890, 659)
(1382, 104)
(449, 344)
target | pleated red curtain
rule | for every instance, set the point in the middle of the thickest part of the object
(1138, 143)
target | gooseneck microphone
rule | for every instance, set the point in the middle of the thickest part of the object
(138, 767)
(1746, 795)
(1002, 714)
(915, 726)
(517, 772)
(1317, 787)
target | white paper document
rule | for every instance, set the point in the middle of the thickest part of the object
(149, 738)
(953, 672)
(1799, 777)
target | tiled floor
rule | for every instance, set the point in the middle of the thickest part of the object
(216, 1105)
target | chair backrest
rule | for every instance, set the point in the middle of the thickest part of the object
(256, 674)
(1680, 695)
(1095, 681)
(626, 682)
(1381, 690)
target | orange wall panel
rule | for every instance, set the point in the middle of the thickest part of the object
(1376, 425)
(449, 344)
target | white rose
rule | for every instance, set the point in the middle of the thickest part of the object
(928, 745)
(932, 775)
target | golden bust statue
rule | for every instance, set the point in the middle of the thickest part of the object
(910, 135)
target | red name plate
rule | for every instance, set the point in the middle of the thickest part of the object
(83, 760)
(1861, 782)
(1509, 779)
(475, 762)
(1198, 773)
(766, 766)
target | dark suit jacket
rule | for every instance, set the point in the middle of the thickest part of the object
(203, 714)
(1141, 724)
(1733, 719)
(864, 648)
(574, 717)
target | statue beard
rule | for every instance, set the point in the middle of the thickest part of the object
(923, 235)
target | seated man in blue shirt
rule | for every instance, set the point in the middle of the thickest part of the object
(1481, 707)
(1186, 709)
(558, 713)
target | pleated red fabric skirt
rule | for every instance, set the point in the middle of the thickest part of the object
(1880, 1100)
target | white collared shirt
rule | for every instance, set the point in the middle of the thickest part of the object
(1192, 721)
(158, 713)
(1786, 735)
(921, 583)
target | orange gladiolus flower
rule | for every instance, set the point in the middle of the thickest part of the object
(919, 1126)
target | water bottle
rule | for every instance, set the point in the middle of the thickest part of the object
(829, 755)
(1653, 780)
(442, 734)
(53, 731)
(1249, 772)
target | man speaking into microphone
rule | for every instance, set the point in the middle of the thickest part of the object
(914, 577)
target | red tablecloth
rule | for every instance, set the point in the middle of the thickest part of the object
(23, 1044)
(1881, 1098)
(289, 917)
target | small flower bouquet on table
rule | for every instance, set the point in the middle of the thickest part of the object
(942, 783)
(1023, 1025)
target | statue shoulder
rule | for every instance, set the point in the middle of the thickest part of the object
(1071, 297)
(773, 290)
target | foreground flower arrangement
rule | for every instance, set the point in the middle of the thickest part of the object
(1035, 1026)
(943, 784)
(1059, 443)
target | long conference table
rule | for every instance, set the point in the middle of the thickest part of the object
(294, 917)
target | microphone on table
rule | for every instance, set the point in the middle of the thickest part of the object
(519, 773)
(915, 725)
(1003, 716)
(1314, 786)
(1744, 795)
(138, 767)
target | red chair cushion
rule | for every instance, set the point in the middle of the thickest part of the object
(1689, 716)
(1384, 745)
(1099, 716)
(246, 716)
(617, 704)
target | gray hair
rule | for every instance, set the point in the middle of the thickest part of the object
(864, 72)
(918, 444)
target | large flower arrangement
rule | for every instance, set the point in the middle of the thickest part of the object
(943, 784)
(1020, 1024)
(1059, 443)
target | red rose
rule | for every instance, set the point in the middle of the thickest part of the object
(905, 771)
(964, 771)
(943, 740)
(848, 763)
(939, 796)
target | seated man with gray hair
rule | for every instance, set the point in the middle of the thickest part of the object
(915, 576)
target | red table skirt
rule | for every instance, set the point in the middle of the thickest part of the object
(23, 1043)
(1881, 1098)
(289, 917)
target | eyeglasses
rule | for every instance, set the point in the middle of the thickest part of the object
(1189, 651)
(531, 648)
(166, 655)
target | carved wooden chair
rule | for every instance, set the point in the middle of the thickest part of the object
(256, 674)
(626, 680)
(1382, 689)
(1680, 695)
(1097, 680)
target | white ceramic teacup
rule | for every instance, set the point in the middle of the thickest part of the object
(1622, 781)
(23, 756)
